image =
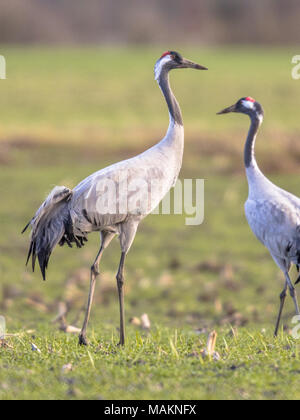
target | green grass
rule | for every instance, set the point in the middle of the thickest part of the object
(60, 121)
(165, 364)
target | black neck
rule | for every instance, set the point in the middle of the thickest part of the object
(174, 109)
(249, 153)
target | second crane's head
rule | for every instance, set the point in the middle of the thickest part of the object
(173, 60)
(248, 106)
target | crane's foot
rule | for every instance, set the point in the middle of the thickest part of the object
(83, 341)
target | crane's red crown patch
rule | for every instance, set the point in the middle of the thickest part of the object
(250, 99)
(165, 53)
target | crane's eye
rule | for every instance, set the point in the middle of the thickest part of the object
(176, 57)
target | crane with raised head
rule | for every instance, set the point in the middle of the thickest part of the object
(272, 213)
(114, 200)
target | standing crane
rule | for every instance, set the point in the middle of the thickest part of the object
(272, 213)
(101, 203)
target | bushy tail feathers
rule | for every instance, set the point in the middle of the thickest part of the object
(49, 227)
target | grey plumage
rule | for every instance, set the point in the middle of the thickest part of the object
(69, 216)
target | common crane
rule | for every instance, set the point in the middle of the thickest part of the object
(114, 200)
(272, 213)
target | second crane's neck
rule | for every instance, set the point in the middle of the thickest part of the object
(249, 152)
(258, 183)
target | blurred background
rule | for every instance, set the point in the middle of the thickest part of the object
(147, 22)
(80, 94)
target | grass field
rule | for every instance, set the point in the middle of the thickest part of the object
(67, 113)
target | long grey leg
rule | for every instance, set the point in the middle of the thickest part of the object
(282, 302)
(106, 239)
(127, 234)
(292, 293)
(120, 283)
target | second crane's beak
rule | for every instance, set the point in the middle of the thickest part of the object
(187, 64)
(227, 110)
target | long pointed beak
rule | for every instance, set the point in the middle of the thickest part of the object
(190, 64)
(227, 110)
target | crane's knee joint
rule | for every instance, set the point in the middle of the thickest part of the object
(283, 295)
(292, 292)
(95, 270)
(120, 280)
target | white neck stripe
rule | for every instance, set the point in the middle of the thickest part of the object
(159, 66)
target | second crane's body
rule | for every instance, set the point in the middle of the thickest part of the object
(274, 216)
(114, 200)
